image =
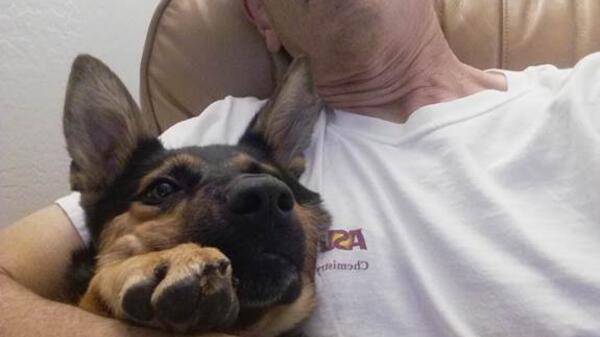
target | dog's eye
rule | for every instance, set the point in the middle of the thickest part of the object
(159, 191)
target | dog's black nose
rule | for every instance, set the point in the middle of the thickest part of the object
(259, 199)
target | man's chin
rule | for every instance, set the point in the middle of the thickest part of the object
(267, 280)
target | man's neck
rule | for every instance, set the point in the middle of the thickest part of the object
(393, 88)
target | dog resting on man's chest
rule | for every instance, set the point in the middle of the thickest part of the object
(199, 239)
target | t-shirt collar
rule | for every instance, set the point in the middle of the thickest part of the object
(430, 116)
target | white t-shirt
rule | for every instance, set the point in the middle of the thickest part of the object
(477, 217)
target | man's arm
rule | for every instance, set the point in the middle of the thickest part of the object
(36, 251)
(35, 254)
(25, 314)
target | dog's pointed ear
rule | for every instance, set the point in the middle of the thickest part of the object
(102, 125)
(287, 121)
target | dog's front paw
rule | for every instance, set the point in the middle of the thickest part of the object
(186, 288)
(189, 289)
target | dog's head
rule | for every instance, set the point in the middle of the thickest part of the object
(244, 200)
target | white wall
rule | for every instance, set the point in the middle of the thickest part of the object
(38, 41)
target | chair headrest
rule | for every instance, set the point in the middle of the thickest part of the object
(199, 51)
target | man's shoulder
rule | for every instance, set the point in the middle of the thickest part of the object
(222, 122)
(586, 71)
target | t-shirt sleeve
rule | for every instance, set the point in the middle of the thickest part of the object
(223, 122)
(70, 205)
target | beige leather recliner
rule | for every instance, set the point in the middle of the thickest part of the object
(199, 51)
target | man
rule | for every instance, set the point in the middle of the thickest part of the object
(464, 202)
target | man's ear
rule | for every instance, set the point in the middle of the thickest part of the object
(102, 125)
(287, 121)
(256, 12)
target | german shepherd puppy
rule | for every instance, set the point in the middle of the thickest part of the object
(200, 239)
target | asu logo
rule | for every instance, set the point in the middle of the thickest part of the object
(344, 240)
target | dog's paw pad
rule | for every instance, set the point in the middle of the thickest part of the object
(136, 301)
(178, 303)
(218, 308)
